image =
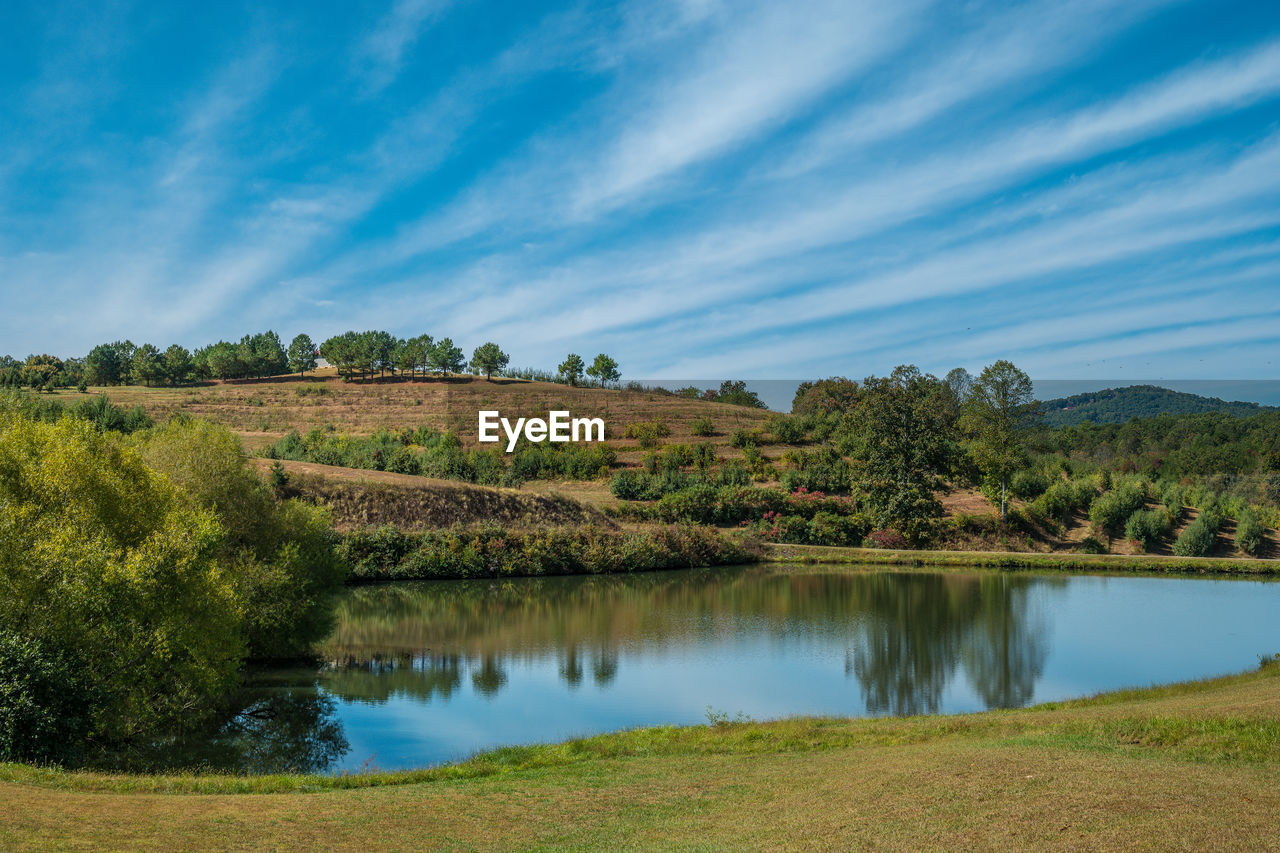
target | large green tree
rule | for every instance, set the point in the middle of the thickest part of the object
(447, 358)
(604, 370)
(148, 364)
(571, 369)
(177, 365)
(302, 354)
(1000, 406)
(906, 449)
(489, 358)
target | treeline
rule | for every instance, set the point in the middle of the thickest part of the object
(124, 363)
(355, 355)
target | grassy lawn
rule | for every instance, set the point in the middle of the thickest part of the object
(1191, 766)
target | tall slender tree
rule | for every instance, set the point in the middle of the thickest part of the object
(1000, 406)
(302, 354)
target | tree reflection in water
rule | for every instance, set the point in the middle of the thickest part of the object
(907, 633)
(282, 729)
(920, 627)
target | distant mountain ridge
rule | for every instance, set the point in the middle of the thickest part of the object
(1117, 405)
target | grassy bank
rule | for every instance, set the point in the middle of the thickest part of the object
(1191, 765)
(1071, 562)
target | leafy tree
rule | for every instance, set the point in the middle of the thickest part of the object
(447, 358)
(415, 355)
(148, 364)
(278, 556)
(906, 447)
(42, 369)
(105, 364)
(177, 365)
(735, 393)
(302, 354)
(1000, 406)
(105, 561)
(570, 370)
(489, 358)
(267, 355)
(604, 370)
(45, 701)
(381, 351)
(222, 360)
(836, 395)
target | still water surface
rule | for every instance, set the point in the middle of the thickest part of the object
(422, 673)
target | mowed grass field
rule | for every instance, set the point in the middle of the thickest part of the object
(262, 411)
(1193, 766)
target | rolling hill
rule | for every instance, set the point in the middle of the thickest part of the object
(1117, 405)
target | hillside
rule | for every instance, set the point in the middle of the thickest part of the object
(1118, 405)
(262, 411)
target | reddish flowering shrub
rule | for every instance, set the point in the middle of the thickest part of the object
(888, 539)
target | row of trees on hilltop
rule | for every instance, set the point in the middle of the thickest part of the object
(254, 356)
(355, 355)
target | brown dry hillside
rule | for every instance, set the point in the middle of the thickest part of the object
(371, 498)
(263, 410)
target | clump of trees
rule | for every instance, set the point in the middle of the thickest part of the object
(140, 573)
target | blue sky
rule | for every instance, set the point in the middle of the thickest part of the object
(700, 188)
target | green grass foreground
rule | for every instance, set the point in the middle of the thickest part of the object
(775, 553)
(1191, 765)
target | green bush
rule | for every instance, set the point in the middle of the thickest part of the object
(1148, 527)
(1199, 537)
(648, 434)
(1250, 534)
(1092, 545)
(1111, 510)
(430, 453)
(703, 427)
(492, 551)
(787, 430)
(1028, 485)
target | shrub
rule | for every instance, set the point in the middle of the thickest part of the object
(629, 485)
(1092, 545)
(1250, 534)
(1199, 537)
(493, 551)
(1111, 511)
(648, 434)
(887, 539)
(703, 427)
(1028, 485)
(1148, 527)
(787, 430)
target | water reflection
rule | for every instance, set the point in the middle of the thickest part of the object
(919, 628)
(420, 673)
(289, 727)
(907, 634)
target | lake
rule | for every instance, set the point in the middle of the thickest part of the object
(417, 674)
